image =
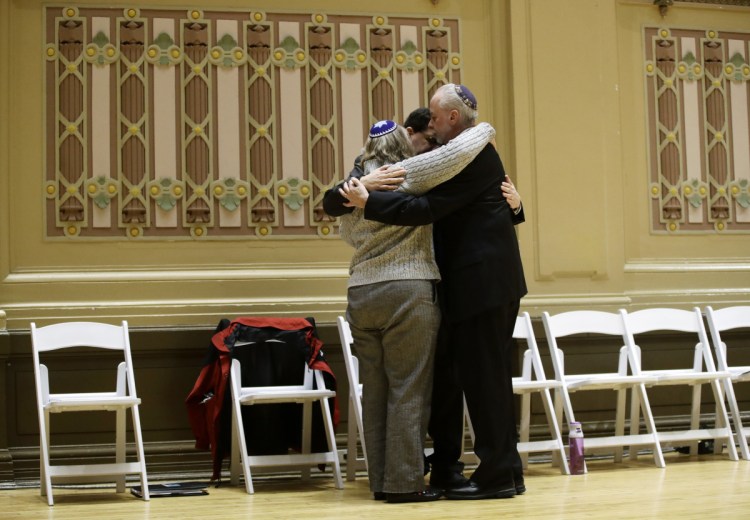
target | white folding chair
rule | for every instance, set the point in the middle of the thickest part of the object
(695, 368)
(355, 429)
(534, 381)
(306, 394)
(123, 397)
(582, 373)
(722, 320)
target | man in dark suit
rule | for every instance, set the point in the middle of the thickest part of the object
(482, 284)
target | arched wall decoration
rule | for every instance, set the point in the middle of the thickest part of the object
(197, 124)
(698, 92)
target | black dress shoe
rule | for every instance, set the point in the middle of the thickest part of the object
(379, 495)
(473, 491)
(446, 480)
(427, 495)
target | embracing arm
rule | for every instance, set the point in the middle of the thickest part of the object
(427, 170)
(404, 209)
(409, 210)
(333, 201)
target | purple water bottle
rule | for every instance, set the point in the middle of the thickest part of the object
(575, 442)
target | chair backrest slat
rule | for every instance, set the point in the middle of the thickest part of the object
(674, 320)
(729, 318)
(651, 320)
(581, 322)
(79, 334)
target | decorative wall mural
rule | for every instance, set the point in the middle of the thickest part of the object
(698, 88)
(180, 124)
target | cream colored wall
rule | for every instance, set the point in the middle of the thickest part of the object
(561, 81)
(566, 127)
(581, 161)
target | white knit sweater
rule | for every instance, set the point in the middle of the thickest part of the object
(384, 252)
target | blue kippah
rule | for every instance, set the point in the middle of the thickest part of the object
(381, 128)
(466, 96)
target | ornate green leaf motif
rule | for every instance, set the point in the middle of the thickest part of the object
(230, 192)
(101, 200)
(164, 41)
(349, 56)
(409, 47)
(740, 192)
(165, 201)
(409, 58)
(100, 39)
(289, 54)
(737, 60)
(163, 51)
(289, 44)
(294, 201)
(736, 68)
(227, 42)
(350, 46)
(101, 190)
(100, 51)
(166, 192)
(293, 192)
(694, 191)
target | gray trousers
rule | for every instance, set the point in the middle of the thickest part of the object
(394, 325)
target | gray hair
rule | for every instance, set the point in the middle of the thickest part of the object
(450, 100)
(387, 149)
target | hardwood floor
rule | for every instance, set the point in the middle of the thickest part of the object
(705, 487)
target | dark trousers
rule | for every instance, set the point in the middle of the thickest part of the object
(474, 358)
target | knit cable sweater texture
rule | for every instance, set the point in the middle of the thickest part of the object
(384, 252)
